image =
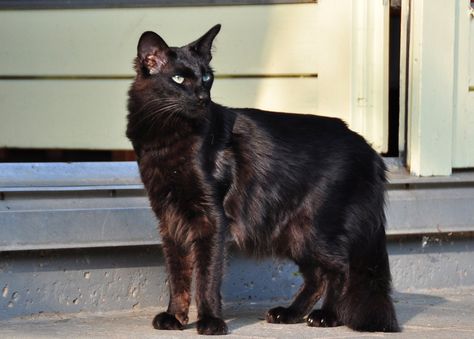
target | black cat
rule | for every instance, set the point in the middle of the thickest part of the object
(297, 186)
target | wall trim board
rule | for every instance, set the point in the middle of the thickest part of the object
(81, 4)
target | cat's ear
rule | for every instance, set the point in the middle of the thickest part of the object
(152, 52)
(202, 46)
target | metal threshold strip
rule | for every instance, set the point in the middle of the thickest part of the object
(80, 205)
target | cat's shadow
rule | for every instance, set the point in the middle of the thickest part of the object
(407, 305)
(411, 305)
(238, 317)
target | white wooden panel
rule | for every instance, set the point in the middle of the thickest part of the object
(292, 39)
(91, 114)
(463, 124)
(430, 115)
(471, 44)
(463, 143)
(369, 99)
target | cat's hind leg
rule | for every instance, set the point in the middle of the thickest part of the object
(366, 304)
(309, 293)
(326, 316)
(360, 298)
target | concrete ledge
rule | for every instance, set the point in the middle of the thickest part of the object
(22, 176)
(80, 205)
(132, 278)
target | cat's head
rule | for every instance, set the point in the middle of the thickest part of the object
(179, 78)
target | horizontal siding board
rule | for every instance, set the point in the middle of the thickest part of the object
(298, 95)
(63, 114)
(91, 114)
(274, 39)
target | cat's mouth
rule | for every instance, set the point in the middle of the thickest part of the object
(197, 110)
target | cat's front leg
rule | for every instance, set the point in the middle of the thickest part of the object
(179, 265)
(209, 261)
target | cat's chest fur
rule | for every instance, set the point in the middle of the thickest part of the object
(187, 179)
(172, 173)
(166, 164)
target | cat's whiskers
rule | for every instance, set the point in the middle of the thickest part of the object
(164, 110)
(163, 103)
(172, 110)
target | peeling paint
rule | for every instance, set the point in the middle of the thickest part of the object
(5, 291)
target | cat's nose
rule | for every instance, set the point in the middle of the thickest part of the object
(203, 98)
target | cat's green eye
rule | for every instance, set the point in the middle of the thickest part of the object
(206, 77)
(178, 79)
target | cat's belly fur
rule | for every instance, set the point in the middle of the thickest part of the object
(260, 228)
(261, 219)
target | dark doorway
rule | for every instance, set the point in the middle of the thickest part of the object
(394, 79)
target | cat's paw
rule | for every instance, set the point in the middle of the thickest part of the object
(321, 318)
(166, 321)
(211, 326)
(282, 315)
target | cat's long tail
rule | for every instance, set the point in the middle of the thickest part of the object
(366, 304)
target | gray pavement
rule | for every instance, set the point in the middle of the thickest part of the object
(422, 314)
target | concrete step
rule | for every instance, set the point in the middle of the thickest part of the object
(81, 237)
(425, 314)
(124, 278)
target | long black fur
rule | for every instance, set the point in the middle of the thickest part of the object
(297, 186)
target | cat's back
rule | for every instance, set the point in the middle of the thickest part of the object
(300, 131)
(306, 144)
(281, 121)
